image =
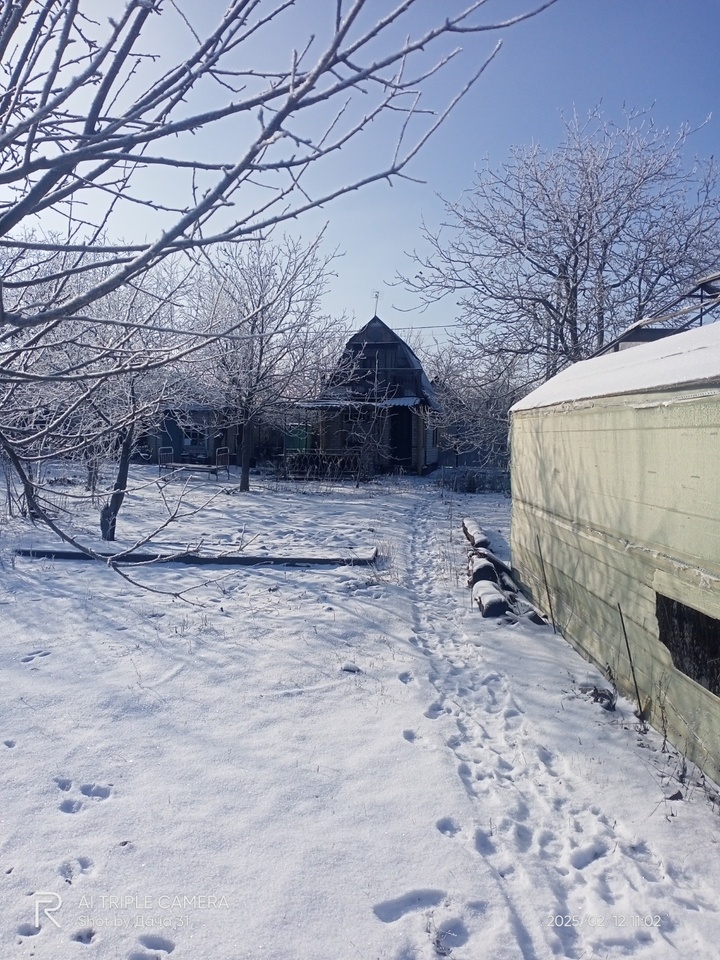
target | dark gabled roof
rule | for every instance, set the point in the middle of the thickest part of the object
(376, 333)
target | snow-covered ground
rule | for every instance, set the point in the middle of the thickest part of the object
(321, 762)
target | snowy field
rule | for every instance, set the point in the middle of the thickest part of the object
(340, 763)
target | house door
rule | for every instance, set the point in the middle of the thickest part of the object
(401, 427)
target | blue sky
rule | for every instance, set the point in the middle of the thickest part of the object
(656, 55)
(648, 54)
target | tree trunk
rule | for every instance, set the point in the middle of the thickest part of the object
(245, 453)
(109, 513)
(92, 465)
(30, 508)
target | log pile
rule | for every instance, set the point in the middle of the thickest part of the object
(491, 580)
(475, 533)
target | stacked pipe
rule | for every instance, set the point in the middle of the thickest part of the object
(493, 587)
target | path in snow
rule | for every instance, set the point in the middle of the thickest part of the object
(552, 856)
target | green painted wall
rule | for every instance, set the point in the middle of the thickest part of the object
(624, 496)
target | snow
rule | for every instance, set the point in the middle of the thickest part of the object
(331, 404)
(684, 359)
(490, 599)
(327, 762)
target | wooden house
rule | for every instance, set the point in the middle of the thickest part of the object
(372, 416)
(616, 521)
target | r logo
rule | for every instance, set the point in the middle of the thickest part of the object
(52, 901)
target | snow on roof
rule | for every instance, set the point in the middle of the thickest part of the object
(357, 402)
(400, 402)
(685, 359)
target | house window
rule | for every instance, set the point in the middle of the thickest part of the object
(693, 639)
(194, 438)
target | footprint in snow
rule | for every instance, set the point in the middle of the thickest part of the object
(36, 654)
(94, 791)
(434, 711)
(72, 869)
(158, 945)
(449, 935)
(584, 856)
(153, 942)
(448, 826)
(86, 936)
(466, 775)
(547, 760)
(9, 743)
(391, 910)
(512, 715)
(523, 837)
(484, 843)
(405, 677)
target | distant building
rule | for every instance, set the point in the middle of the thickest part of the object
(372, 416)
(194, 431)
(616, 488)
(686, 311)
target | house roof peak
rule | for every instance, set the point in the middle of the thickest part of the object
(375, 321)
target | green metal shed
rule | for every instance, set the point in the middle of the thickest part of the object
(615, 467)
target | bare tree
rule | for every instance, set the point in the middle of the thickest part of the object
(556, 251)
(272, 294)
(80, 390)
(474, 401)
(93, 123)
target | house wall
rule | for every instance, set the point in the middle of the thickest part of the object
(168, 434)
(425, 451)
(432, 435)
(623, 494)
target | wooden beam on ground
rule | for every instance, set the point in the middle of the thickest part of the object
(195, 559)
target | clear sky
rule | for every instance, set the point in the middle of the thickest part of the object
(659, 54)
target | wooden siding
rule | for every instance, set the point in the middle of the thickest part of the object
(624, 496)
